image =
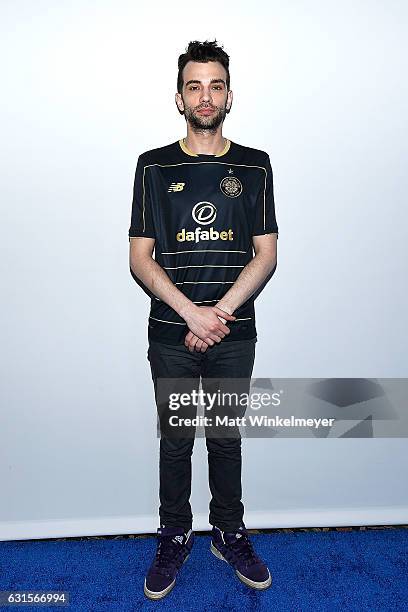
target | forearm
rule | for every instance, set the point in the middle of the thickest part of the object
(157, 281)
(247, 283)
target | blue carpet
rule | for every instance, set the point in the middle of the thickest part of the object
(355, 570)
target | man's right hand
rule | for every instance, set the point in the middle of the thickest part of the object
(204, 322)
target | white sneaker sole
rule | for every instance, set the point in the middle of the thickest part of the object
(254, 585)
(163, 593)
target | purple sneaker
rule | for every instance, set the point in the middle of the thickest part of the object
(235, 548)
(173, 549)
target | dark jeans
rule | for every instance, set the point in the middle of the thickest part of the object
(229, 359)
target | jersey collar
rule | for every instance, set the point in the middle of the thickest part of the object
(184, 148)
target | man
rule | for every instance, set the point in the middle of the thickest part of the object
(204, 204)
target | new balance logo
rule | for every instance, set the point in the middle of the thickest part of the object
(176, 187)
(179, 539)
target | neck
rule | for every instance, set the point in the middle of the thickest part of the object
(205, 143)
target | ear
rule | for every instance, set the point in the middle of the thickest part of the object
(179, 103)
(229, 101)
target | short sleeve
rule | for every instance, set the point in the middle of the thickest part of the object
(265, 219)
(141, 223)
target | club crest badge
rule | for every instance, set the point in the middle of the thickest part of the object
(231, 186)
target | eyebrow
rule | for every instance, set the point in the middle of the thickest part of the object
(212, 81)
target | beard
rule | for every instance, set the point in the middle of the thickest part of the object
(201, 123)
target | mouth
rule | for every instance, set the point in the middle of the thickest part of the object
(206, 111)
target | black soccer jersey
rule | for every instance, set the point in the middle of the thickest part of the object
(202, 211)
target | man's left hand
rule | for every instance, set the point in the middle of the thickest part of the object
(194, 343)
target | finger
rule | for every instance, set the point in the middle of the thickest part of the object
(219, 333)
(216, 338)
(204, 347)
(193, 342)
(221, 328)
(224, 314)
(188, 338)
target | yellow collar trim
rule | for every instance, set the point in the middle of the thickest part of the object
(187, 150)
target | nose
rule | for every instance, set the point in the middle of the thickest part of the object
(206, 94)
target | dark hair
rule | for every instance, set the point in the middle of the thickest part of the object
(202, 52)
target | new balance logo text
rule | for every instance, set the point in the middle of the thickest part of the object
(176, 187)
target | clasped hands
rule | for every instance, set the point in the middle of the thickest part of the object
(206, 322)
